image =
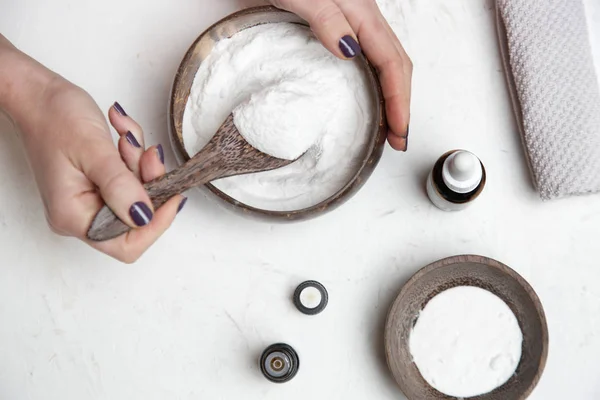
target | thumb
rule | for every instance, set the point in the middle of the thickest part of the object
(328, 22)
(122, 192)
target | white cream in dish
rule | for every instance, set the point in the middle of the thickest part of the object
(466, 342)
(287, 94)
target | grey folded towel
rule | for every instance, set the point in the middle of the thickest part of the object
(555, 90)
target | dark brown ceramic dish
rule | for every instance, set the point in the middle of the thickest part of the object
(181, 91)
(470, 271)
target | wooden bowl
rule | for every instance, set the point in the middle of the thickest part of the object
(184, 79)
(487, 274)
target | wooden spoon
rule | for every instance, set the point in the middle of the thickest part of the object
(227, 154)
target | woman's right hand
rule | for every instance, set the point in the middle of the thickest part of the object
(346, 27)
(76, 165)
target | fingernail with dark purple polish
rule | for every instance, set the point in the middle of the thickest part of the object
(161, 153)
(132, 140)
(182, 204)
(119, 109)
(140, 213)
(350, 48)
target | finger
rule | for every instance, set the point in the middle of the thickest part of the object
(385, 51)
(123, 123)
(118, 186)
(132, 136)
(130, 154)
(328, 23)
(152, 163)
(398, 142)
(132, 245)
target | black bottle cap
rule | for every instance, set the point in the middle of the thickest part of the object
(311, 298)
(279, 363)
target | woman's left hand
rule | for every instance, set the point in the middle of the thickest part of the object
(75, 162)
(347, 27)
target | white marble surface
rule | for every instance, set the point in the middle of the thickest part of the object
(191, 318)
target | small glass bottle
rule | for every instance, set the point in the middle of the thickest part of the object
(457, 179)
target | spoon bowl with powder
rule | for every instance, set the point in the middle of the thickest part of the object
(227, 154)
(466, 327)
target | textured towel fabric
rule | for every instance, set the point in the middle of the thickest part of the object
(555, 88)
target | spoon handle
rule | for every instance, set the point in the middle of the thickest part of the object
(200, 170)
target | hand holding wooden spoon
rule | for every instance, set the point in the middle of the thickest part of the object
(227, 154)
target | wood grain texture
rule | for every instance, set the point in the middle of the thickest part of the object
(467, 270)
(180, 93)
(227, 154)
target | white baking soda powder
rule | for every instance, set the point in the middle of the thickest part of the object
(466, 342)
(290, 98)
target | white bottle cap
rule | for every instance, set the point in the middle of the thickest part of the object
(311, 297)
(462, 172)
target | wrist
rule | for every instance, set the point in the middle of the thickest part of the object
(22, 82)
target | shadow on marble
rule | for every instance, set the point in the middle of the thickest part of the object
(378, 317)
